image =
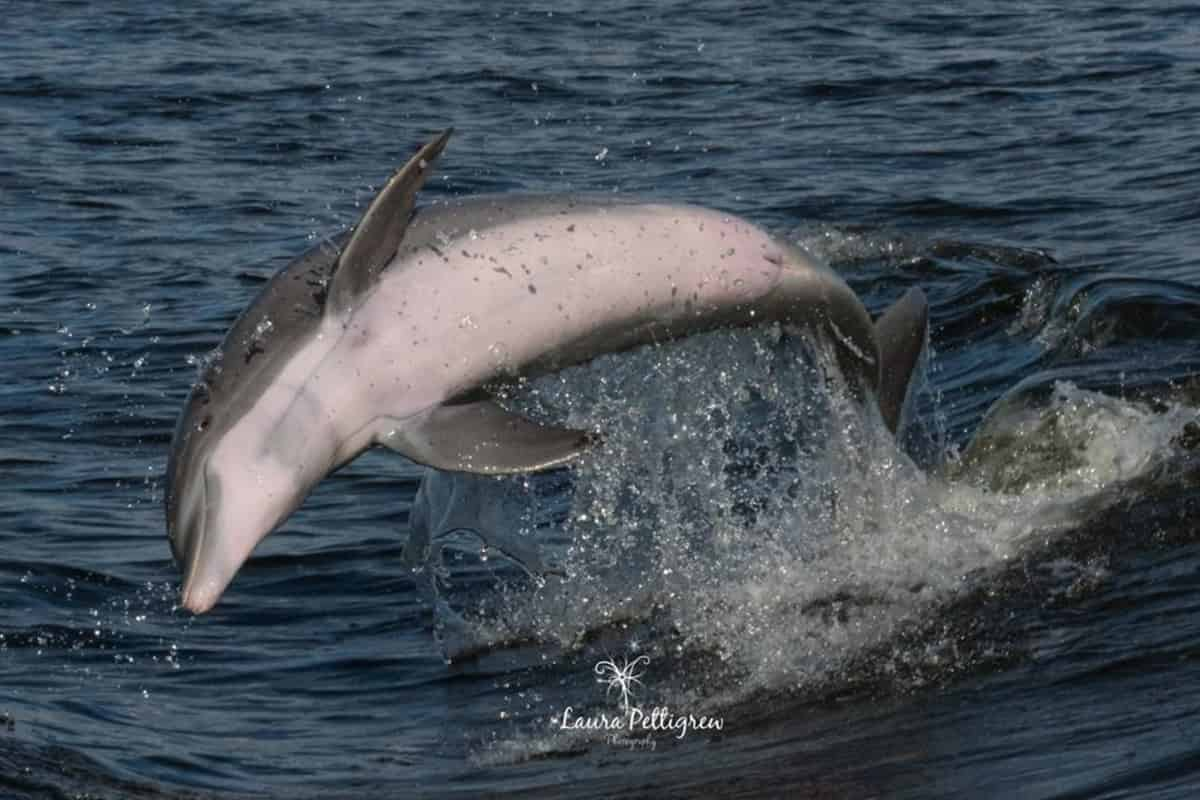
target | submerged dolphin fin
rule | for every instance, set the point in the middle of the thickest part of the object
(377, 235)
(483, 438)
(901, 332)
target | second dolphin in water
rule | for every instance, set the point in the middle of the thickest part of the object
(392, 336)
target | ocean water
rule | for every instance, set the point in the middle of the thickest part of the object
(999, 605)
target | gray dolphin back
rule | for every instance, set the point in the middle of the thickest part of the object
(286, 311)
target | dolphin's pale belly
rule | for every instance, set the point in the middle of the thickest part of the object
(559, 288)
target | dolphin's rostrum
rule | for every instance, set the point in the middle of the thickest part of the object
(390, 335)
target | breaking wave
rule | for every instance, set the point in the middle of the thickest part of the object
(755, 530)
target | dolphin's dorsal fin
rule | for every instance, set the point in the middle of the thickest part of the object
(901, 332)
(377, 235)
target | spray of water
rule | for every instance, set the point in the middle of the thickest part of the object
(746, 513)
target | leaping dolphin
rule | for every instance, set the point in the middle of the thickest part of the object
(391, 335)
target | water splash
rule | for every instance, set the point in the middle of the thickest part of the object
(745, 515)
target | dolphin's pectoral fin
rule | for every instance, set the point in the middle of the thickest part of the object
(483, 438)
(377, 235)
(901, 332)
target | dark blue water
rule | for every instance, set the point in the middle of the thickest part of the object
(1016, 618)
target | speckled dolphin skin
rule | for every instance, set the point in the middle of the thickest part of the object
(390, 335)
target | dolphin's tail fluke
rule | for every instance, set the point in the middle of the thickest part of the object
(901, 333)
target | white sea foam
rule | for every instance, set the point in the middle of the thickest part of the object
(742, 506)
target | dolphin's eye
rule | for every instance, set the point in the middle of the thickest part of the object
(204, 423)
